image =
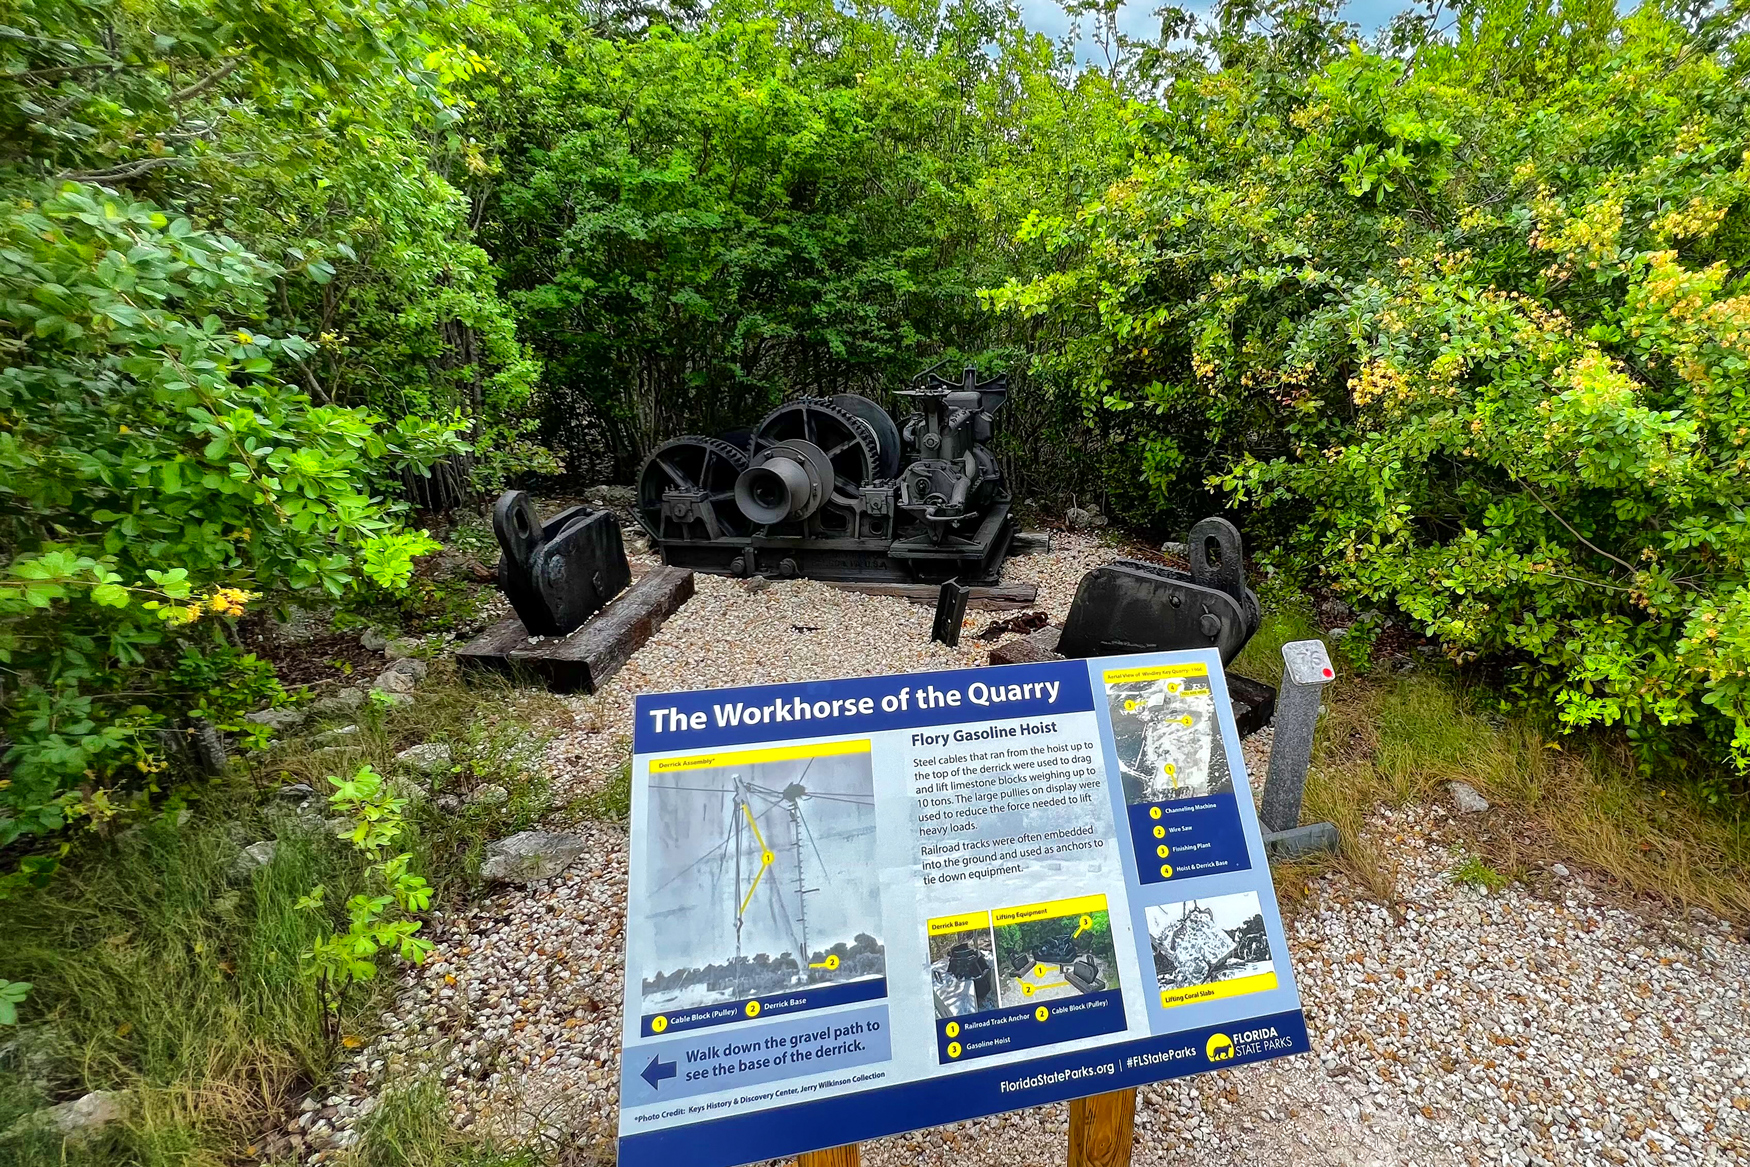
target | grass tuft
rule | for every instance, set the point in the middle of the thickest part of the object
(411, 1128)
(1399, 740)
(160, 971)
(1475, 873)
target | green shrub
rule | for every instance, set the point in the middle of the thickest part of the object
(158, 477)
(1467, 329)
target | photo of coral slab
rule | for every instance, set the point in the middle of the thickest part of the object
(1201, 942)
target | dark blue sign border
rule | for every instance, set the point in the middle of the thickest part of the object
(872, 1114)
(1074, 695)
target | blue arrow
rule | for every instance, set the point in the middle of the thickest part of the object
(656, 1071)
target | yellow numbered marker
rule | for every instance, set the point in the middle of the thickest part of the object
(658, 1024)
(768, 858)
(753, 1009)
(953, 1049)
(1130, 707)
(1161, 851)
(1038, 970)
(952, 1029)
(1154, 812)
(1169, 768)
(1026, 990)
(1166, 871)
(1174, 686)
(1160, 832)
(1185, 720)
(1041, 1013)
(1082, 925)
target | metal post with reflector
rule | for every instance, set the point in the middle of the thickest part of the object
(1306, 670)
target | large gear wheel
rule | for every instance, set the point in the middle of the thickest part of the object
(849, 443)
(686, 490)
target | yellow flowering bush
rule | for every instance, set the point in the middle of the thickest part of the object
(1516, 260)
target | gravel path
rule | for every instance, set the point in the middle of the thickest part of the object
(1535, 1026)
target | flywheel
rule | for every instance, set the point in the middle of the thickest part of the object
(686, 490)
(849, 442)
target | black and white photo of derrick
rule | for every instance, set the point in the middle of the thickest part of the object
(763, 879)
(1168, 739)
(1200, 942)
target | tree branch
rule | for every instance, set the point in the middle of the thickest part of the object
(1599, 550)
(123, 171)
(207, 82)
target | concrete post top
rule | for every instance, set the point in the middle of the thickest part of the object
(1305, 662)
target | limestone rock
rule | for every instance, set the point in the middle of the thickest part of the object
(339, 703)
(1035, 646)
(426, 757)
(1466, 798)
(80, 1120)
(279, 719)
(491, 794)
(255, 855)
(402, 647)
(530, 855)
(402, 676)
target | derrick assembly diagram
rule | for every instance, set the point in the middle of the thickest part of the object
(760, 882)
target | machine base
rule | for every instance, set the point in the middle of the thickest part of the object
(978, 560)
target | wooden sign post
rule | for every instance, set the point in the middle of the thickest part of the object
(1102, 1128)
(1101, 1132)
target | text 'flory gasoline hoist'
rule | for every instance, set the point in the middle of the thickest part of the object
(833, 488)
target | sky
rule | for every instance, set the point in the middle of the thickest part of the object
(1138, 15)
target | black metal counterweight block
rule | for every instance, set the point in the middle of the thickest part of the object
(559, 573)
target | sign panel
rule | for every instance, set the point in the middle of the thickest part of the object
(865, 906)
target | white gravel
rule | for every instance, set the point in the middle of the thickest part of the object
(1527, 1027)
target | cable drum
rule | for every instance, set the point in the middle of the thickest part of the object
(880, 424)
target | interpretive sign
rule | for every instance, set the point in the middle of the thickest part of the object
(865, 906)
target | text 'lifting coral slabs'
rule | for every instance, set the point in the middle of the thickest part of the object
(870, 905)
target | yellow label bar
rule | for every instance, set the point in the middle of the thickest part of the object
(1154, 673)
(750, 757)
(1237, 987)
(965, 922)
(1050, 910)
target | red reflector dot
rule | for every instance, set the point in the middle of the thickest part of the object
(1329, 673)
